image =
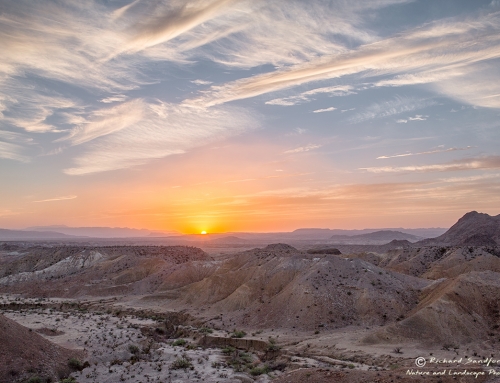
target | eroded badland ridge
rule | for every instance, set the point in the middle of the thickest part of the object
(329, 312)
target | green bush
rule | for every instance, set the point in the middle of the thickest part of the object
(34, 379)
(206, 330)
(228, 350)
(256, 371)
(273, 347)
(75, 364)
(179, 342)
(238, 334)
(180, 363)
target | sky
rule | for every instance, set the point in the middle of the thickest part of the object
(239, 115)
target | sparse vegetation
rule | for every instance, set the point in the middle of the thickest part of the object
(238, 334)
(133, 349)
(397, 350)
(256, 371)
(75, 364)
(179, 342)
(228, 349)
(181, 363)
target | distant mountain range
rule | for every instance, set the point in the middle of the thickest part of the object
(22, 235)
(382, 235)
(328, 233)
(473, 229)
(99, 232)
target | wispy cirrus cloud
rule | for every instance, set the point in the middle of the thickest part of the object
(12, 152)
(95, 46)
(302, 149)
(418, 117)
(107, 121)
(172, 20)
(139, 130)
(392, 107)
(201, 82)
(330, 109)
(115, 98)
(434, 151)
(15, 137)
(63, 198)
(472, 178)
(442, 46)
(489, 162)
(338, 90)
(111, 52)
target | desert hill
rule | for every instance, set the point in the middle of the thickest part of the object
(273, 286)
(280, 286)
(473, 229)
(434, 262)
(25, 354)
(94, 270)
(451, 312)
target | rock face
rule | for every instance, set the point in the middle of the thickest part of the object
(473, 229)
(25, 354)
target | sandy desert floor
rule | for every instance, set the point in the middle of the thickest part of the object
(119, 350)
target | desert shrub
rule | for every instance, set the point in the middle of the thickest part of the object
(68, 380)
(179, 342)
(238, 334)
(180, 363)
(273, 347)
(34, 379)
(75, 364)
(133, 349)
(206, 330)
(256, 371)
(228, 350)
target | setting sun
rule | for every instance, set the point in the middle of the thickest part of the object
(203, 232)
